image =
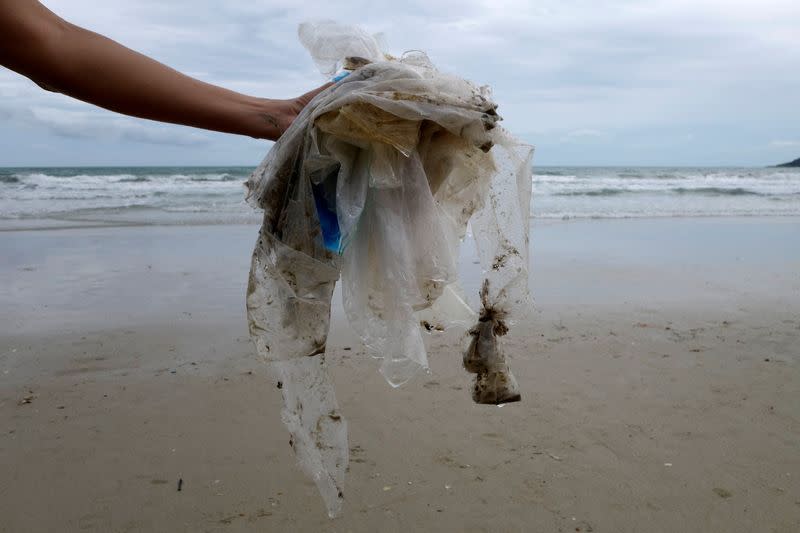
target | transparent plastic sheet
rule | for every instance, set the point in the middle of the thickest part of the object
(377, 180)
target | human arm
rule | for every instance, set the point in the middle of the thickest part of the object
(68, 59)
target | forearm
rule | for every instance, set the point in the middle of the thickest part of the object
(92, 68)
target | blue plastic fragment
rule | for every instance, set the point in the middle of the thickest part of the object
(342, 75)
(326, 212)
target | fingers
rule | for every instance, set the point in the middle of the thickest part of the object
(295, 106)
(306, 98)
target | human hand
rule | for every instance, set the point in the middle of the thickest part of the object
(278, 115)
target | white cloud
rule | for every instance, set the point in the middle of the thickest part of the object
(86, 124)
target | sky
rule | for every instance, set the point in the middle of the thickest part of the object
(663, 83)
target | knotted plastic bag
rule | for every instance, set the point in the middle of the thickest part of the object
(376, 181)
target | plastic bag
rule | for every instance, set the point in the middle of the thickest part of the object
(376, 180)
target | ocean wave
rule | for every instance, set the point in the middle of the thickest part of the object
(634, 175)
(579, 215)
(223, 178)
(717, 191)
(580, 192)
(132, 176)
(554, 178)
(700, 191)
(126, 207)
(597, 192)
(82, 198)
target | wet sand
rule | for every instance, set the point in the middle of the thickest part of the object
(659, 373)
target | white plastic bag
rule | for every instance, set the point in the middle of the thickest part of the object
(377, 179)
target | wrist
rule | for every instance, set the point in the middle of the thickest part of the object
(266, 118)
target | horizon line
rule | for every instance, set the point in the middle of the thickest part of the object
(255, 166)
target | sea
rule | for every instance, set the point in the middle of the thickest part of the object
(45, 197)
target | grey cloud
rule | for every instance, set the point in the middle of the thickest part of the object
(101, 125)
(172, 135)
(556, 66)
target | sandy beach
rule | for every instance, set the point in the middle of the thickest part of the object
(660, 375)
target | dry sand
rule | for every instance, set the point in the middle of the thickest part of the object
(660, 380)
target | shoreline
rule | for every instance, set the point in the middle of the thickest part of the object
(52, 223)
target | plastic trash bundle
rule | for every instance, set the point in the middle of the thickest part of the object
(375, 182)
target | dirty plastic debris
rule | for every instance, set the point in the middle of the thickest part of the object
(376, 181)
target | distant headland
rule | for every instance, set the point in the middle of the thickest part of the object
(795, 163)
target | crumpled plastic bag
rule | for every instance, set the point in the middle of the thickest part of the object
(376, 181)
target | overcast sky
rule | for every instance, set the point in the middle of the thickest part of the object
(700, 82)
